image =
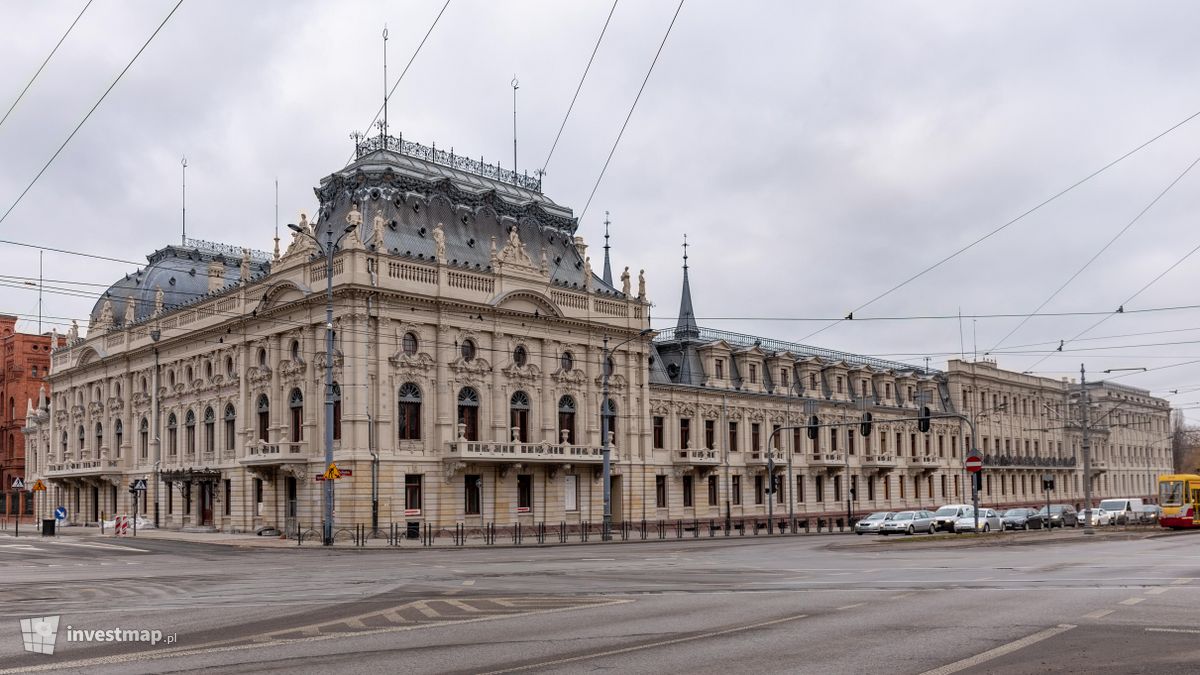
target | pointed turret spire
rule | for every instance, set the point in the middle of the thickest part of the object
(686, 327)
(607, 267)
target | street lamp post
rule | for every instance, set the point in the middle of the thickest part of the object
(604, 414)
(155, 334)
(327, 250)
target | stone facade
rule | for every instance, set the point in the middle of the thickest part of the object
(469, 365)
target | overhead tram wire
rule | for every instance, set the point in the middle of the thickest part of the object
(630, 114)
(48, 57)
(1121, 308)
(1104, 248)
(579, 88)
(1004, 226)
(405, 71)
(89, 113)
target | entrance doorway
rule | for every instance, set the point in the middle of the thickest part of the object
(95, 505)
(206, 504)
(618, 500)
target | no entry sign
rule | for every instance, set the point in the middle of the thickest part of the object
(974, 463)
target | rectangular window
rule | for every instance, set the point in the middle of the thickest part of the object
(900, 482)
(758, 488)
(783, 377)
(819, 488)
(524, 493)
(800, 489)
(258, 497)
(570, 492)
(850, 440)
(887, 487)
(230, 435)
(912, 444)
(409, 422)
(736, 489)
(777, 482)
(833, 436)
(658, 433)
(170, 499)
(797, 437)
(954, 446)
(871, 488)
(687, 492)
(733, 437)
(839, 384)
(957, 486)
(943, 485)
(853, 488)
(412, 493)
(837, 488)
(916, 487)
(812, 381)
(710, 434)
(685, 433)
(660, 491)
(899, 444)
(228, 496)
(719, 369)
(712, 490)
(471, 489)
(755, 437)
(753, 374)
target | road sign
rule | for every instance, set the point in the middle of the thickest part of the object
(38, 486)
(18, 484)
(332, 473)
(974, 463)
(139, 484)
(60, 513)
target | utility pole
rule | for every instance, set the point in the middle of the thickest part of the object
(515, 85)
(1087, 453)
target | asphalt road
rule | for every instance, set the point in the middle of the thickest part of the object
(1026, 603)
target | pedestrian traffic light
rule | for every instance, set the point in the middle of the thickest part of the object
(814, 424)
(1047, 483)
(865, 427)
(923, 419)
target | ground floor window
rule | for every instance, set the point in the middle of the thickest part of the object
(777, 486)
(524, 493)
(758, 489)
(712, 490)
(687, 492)
(819, 488)
(736, 489)
(258, 497)
(228, 496)
(412, 494)
(800, 489)
(472, 486)
(660, 492)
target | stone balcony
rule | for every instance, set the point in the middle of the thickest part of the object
(761, 457)
(923, 462)
(833, 460)
(1099, 466)
(880, 461)
(275, 454)
(702, 457)
(532, 453)
(81, 468)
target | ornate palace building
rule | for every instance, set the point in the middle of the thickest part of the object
(470, 336)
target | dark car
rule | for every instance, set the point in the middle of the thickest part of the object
(1061, 515)
(1023, 519)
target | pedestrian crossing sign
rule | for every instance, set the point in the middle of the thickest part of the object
(39, 486)
(332, 473)
(139, 485)
(18, 484)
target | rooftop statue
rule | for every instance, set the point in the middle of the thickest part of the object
(158, 300)
(378, 224)
(73, 332)
(439, 243)
(642, 285)
(625, 281)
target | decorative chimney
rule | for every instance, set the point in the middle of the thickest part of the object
(216, 275)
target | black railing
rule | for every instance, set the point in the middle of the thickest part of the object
(365, 145)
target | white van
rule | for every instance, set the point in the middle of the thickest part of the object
(1123, 509)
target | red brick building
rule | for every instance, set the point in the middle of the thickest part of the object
(26, 364)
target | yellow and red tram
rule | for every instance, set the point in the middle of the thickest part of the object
(1179, 498)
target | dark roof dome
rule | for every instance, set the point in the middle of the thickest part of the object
(182, 272)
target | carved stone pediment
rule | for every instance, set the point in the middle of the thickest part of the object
(685, 409)
(735, 414)
(757, 416)
(528, 372)
(615, 381)
(258, 374)
(711, 412)
(339, 360)
(292, 369)
(141, 400)
(570, 377)
(420, 361)
(473, 369)
(659, 410)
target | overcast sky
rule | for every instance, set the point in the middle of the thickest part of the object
(816, 154)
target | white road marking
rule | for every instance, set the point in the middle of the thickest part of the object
(902, 596)
(990, 654)
(597, 559)
(1098, 614)
(1173, 630)
(857, 604)
(1181, 581)
(1131, 601)
(22, 547)
(469, 582)
(661, 643)
(1157, 591)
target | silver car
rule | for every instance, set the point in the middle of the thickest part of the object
(909, 522)
(989, 521)
(872, 522)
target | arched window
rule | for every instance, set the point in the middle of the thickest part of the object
(12, 408)
(566, 419)
(519, 416)
(408, 419)
(567, 361)
(410, 343)
(230, 428)
(610, 414)
(99, 436)
(144, 438)
(337, 411)
(468, 413)
(264, 418)
(81, 437)
(295, 350)
(118, 435)
(296, 415)
(189, 379)
(210, 430)
(262, 357)
(468, 350)
(189, 424)
(520, 356)
(172, 435)
(64, 443)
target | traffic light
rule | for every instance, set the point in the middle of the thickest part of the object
(923, 420)
(865, 427)
(977, 479)
(814, 424)
(1047, 483)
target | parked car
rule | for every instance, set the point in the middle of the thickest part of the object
(1099, 517)
(909, 522)
(1061, 515)
(872, 522)
(1023, 519)
(1124, 509)
(989, 520)
(944, 517)
(1149, 513)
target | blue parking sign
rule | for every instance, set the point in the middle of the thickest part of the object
(60, 513)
